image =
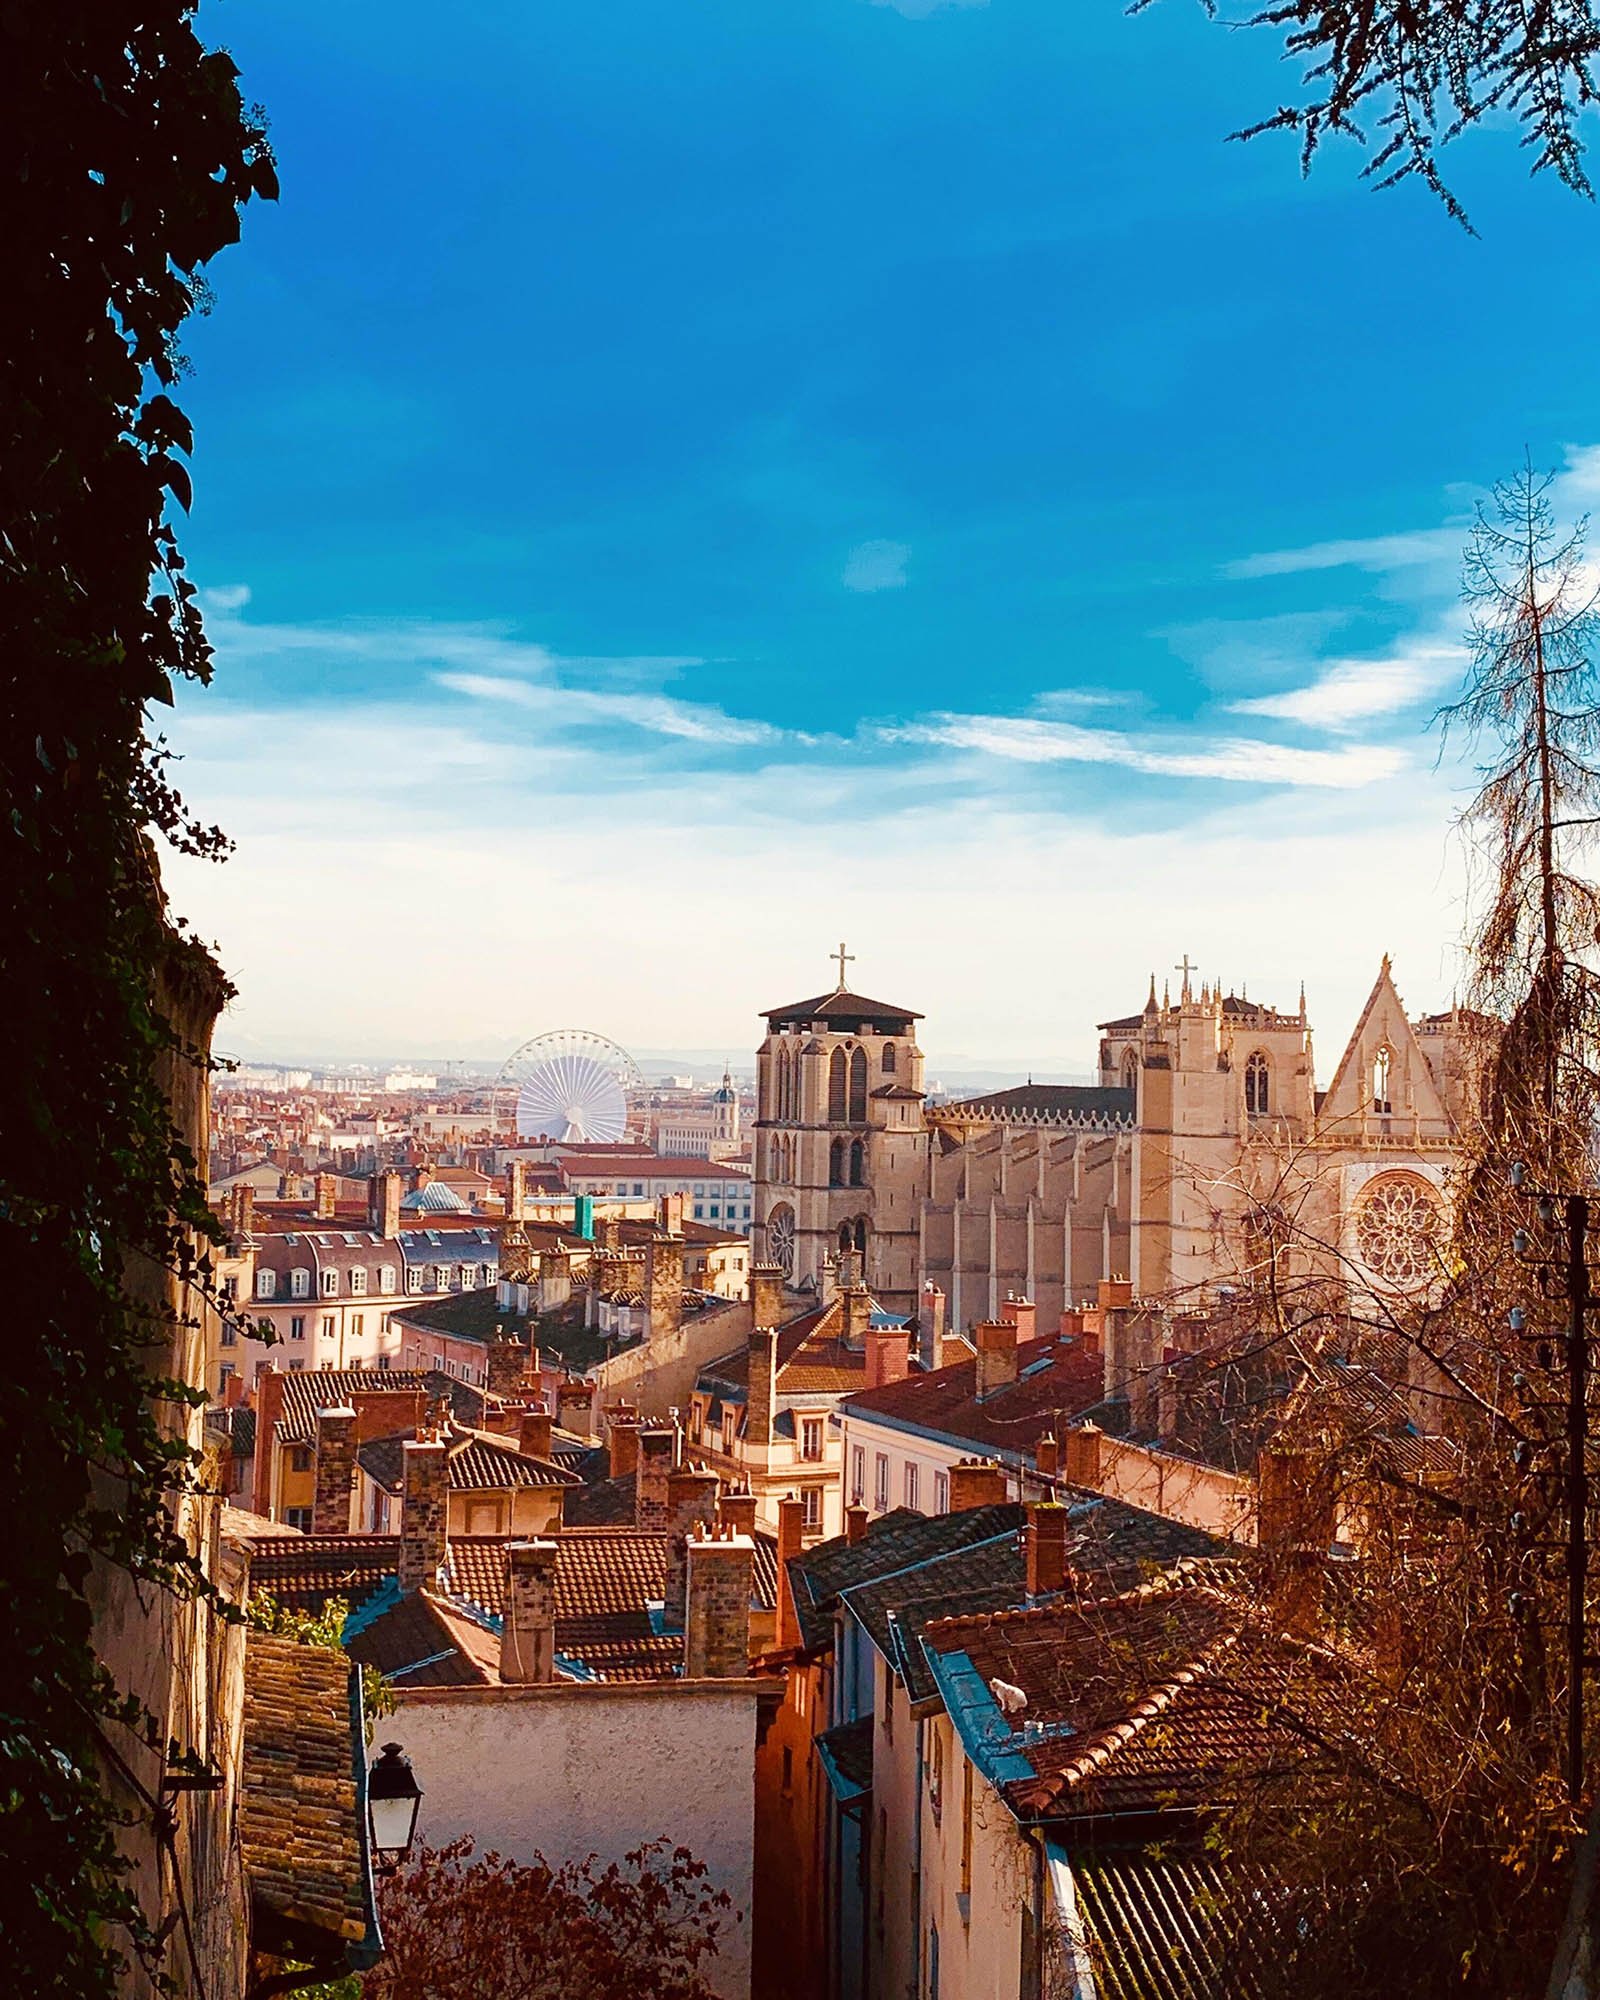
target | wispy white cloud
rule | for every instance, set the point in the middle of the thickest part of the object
(693, 722)
(1347, 693)
(1374, 552)
(1030, 740)
(877, 566)
(222, 599)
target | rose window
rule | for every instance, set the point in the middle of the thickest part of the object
(780, 1238)
(1397, 1231)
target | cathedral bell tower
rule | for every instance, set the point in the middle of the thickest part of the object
(840, 1159)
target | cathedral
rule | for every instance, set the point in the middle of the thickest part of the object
(1206, 1115)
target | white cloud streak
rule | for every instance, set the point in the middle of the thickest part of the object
(1375, 552)
(1241, 760)
(1348, 693)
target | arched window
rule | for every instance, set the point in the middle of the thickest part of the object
(1381, 1100)
(861, 1238)
(1257, 1085)
(847, 1239)
(1130, 1069)
(791, 1108)
(888, 1059)
(838, 1084)
(858, 1087)
(858, 1162)
(836, 1164)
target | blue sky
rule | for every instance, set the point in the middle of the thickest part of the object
(675, 485)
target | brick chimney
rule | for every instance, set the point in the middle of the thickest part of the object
(1080, 1458)
(930, 1324)
(997, 1357)
(1047, 1455)
(976, 1482)
(857, 1314)
(533, 1433)
(622, 1442)
(663, 1286)
(716, 1628)
(761, 1403)
(528, 1623)
(691, 1503)
(575, 1408)
(334, 1503)
(791, 1537)
(516, 1191)
(1113, 1292)
(1019, 1313)
(244, 1211)
(887, 1360)
(325, 1196)
(738, 1512)
(1045, 1548)
(658, 1456)
(424, 1513)
(669, 1214)
(1070, 1326)
(855, 1524)
(232, 1392)
(506, 1363)
(766, 1295)
(383, 1201)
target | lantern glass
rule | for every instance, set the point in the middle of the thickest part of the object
(393, 1796)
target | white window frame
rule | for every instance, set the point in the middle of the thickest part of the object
(266, 1284)
(300, 1282)
(358, 1281)
(330, 1283)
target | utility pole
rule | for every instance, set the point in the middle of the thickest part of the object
(1577, 1479)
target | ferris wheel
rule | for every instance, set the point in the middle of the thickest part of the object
(569, 1085)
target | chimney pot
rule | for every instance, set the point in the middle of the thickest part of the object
(533, 1433)
(1081, 1457)
(691, 1509)
(325, 1196)
(857, 1313)
(791, 1537)
(997, 1357)
(737, 1512)
(761, 1392)
(1019, 1313)
(716, 1634)
(658, 1456)
(528, 1622)
(1047, 1454)
(766, 1295)
(976, 1482)
(333, 1504)
(855, 1524)
(1046, 1548)
(424, 1513)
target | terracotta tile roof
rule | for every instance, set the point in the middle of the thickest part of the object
(299, 1824)
(416, 1644)
(840, 1005)
(1148, 1703)
(304, 1571)
(812, 1359)
(893, 1542)
(1115, 1544)
(478, 1461)
(1176, 1927)
(306, 1392)
(1056, 1381)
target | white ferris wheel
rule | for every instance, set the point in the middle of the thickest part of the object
(570, 1085)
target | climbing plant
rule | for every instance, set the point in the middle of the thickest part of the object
(127, 153)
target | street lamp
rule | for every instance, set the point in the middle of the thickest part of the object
(393, 1796)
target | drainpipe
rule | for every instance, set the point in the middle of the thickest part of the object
(914, 1989)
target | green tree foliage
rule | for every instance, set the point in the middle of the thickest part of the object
(126, 156)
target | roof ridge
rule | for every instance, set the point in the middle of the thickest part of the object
(1101, 1748)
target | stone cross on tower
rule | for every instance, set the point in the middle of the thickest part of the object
(845, 958)
(1185, 968)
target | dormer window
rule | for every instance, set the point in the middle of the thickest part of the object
(300, 1282)
(1257, 1086)
(358, 1280)
(266, 1284)
(330, 1284)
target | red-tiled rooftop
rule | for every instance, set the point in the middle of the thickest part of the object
(1055, 1378)
(1151, 1702)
